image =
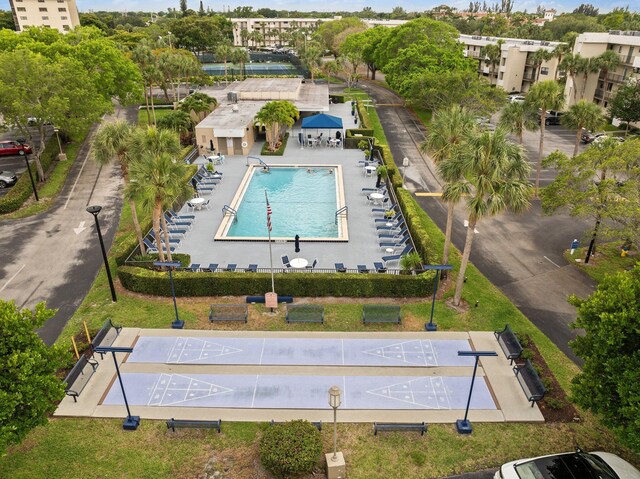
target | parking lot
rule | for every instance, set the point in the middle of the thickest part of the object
(15, 163)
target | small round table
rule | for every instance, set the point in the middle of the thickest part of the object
(389, 224)
(389, 250)
(298, 263)
(197, 202)
(369, 170)
(376, 197)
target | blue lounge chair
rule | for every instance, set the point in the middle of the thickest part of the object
(175, 215)
(363, 268)
(384, 210)
(340, 268)
(193, 268)
(152, 238)
(395, 217)
(151, 248)
(398, 226)
(399, 234)
(252, 268)
(211, 268)
(394, 244)
(380, 268)
(285, 261)
(231, 267)
(172, 221)
(396, 257)
(312, 265)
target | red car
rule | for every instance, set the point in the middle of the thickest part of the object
(13, 148)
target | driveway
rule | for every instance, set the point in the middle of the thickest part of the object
(521, 255)
(55, 256)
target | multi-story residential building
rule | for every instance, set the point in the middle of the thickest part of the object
(601, 86)
(59, 14)
(274, 31)
(516, 69)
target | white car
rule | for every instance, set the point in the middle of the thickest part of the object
(570, 465)
(516, 99)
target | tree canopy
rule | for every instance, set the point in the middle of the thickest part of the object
(625, 104)
(609, 383)
(29, 389)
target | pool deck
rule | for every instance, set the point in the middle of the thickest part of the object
(362, 247)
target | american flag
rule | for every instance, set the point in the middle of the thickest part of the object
(268, 214)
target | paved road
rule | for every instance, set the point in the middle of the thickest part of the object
(521, 255)
(55, 256)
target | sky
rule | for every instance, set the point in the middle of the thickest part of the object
(326, 5)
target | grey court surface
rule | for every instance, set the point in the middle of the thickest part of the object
(300, 351)
(299, 392)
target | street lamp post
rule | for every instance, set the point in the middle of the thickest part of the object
(61, 155)
(178, 323)
(430, 326)
(23, 153)
(463, 426)
(334, 402)
(94, 210)
(131, 423)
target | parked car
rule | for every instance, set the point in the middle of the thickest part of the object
(516, 98)
(7, 178)
(553, 117)
(578, 465)
(588, 137)
(13, 148)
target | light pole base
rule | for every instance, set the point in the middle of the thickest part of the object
(430, 326)
(62, 156)
(177, 324)
(131, 423)
(336, 469)
(463, 426)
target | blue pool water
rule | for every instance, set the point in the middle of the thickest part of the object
(303, 203)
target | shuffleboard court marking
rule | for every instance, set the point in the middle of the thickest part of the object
(411, 352)
(426, 392)
(177, 393)
(187, 350)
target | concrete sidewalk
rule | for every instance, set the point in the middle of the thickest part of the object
(510, 401)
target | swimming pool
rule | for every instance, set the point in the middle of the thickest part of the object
(304, 200)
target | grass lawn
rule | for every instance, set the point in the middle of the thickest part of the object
(99, 448)
(607, 260)
(160, 113)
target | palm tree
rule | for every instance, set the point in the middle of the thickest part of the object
(571, 66)
(158, 180)
(544, 95)
(112, 143)
(240, 56)
(312, 58)
(493, 172)
(198, 105)
(144, 57)
(607, 61)
(492, 54)
(538, 58)
(276, 116)
(559, 52)
(329, 68)
(449, 128)
(583, 114)
(518, 117)
(179, 121)
(587, 66)
(224, 52)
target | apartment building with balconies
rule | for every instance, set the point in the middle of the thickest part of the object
(59, 14)
(601, 86)
(517, 69)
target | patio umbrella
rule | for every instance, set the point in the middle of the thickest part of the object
(211, 146)
(297, 238)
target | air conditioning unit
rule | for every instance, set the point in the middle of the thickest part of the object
(232, 96)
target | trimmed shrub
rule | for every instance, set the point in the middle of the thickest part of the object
(187, 283)
(362, 114)
(351, 141)
(336, 98)
(279, 152)
(290, 448)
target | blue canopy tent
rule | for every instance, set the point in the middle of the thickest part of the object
(321, 121)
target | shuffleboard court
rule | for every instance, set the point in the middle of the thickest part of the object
(299, 392)
(300, 351)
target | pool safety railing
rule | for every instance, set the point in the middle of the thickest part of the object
(228, 210)
(344, 211)
(258, 159)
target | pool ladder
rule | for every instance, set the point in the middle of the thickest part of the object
(344, 211)
(228, 210)
(256, 158)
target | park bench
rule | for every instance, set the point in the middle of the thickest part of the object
(376, 313)
(317, 424)
(228, 312)
(530, 381)
(105, 337)
(260, 299)
(399, 426)
(509, 343)
(79, 376)
(305, 313)
(194, 424)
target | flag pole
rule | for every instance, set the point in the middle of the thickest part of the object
(273, 288)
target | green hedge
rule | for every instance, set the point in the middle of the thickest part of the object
(351, 141)
(362, 114)
(21, 191)
(336, 98)
(355, 285)
(290, 449)
(279, 152)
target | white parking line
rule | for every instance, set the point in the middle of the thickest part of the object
(557, 265)
(11, 279)
(77, 179)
